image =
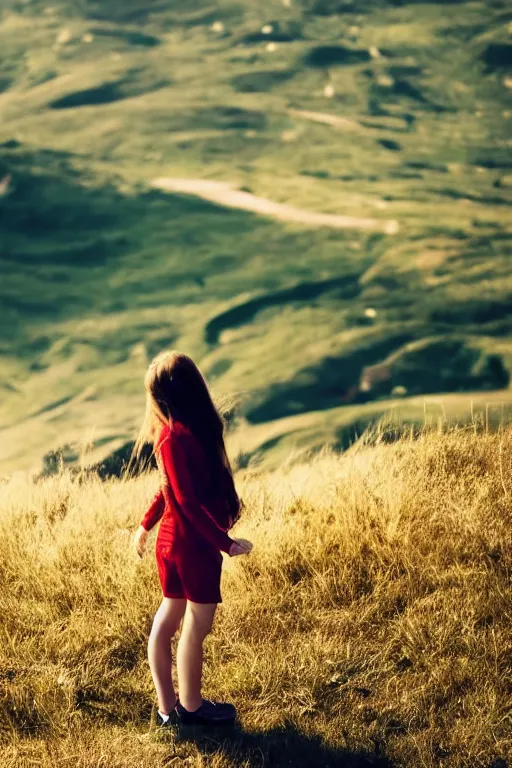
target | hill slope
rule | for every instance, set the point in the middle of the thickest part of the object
(394, 113)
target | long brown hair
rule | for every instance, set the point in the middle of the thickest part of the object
(177, 391)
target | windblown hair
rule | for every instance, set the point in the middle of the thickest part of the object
(177, 391)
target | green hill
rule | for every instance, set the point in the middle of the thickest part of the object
(394, 114)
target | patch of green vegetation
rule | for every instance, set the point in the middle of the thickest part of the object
(252, 82)
(129, 36)
(126, 88)
(275, 30)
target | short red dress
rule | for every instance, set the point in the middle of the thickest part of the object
(194, 519)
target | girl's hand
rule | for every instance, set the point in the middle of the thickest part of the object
(140, 540)
(240, 547)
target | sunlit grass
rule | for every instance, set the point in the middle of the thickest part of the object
(372, 618)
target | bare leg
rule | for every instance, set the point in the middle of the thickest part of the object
(196, 625)
(165, 625)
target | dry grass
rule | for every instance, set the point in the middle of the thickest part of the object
(370, 626)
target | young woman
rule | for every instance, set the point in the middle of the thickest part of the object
(197, 504)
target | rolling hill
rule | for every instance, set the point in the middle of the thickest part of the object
(135, 139)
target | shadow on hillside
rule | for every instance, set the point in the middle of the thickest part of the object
(278, 747)
(135, 83)
(118, 463)
(67, 240)
(343, 288)
(327, 384)
(434, 366)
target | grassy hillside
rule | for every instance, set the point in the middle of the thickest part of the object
(395, 112)
(370, 627)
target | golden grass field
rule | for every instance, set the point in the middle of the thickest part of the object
(369, 627)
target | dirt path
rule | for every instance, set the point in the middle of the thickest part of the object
(370, 125)
(335, 121)
(228, 195)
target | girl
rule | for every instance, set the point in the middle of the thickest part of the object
(197, 505)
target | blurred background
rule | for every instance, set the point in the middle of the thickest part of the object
(311, 198)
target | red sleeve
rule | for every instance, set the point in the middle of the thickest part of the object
(157, 506)
(154, 512)
(174, 455)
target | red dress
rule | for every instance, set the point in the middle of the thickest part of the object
(194, 520)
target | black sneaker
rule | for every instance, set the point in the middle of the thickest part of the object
(209, 713)
(171, 720)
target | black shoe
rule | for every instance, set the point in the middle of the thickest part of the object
(209, 713)
(171, 720)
